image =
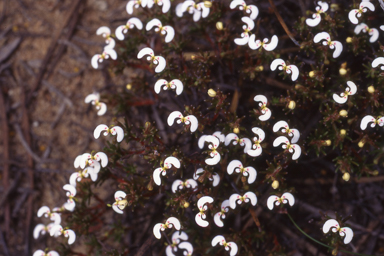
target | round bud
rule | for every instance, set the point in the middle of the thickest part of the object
(186, 204)
(346, 176)
(342, 71)
(343, 132)
(259, 68)
(236, 130)
(371, 89)
(312, 74)
(193, 57)
(349, 40)
(343, 113)
(375, 173)
(275, 184)
(128, 86)
(328, 142)
(219, 25)
(207, 4)
(211, 93)
(361, 144)
(291, 104)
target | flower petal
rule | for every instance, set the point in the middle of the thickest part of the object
(116, 208)
(338, 49)
(229, 138)
(204, 200)
(145, 51)
(252, 174)
(348, 234)
(328, 224)
(43, 210)
(170, 33)
(37, 230)
(295, 71)
(56, 229)
(234, 248)
(296, 135)
(194, 122)
(161, 64)
(152, 23)
(176, 185)
(274, 65)
(71, 234)
(156, 230)
(99, 129)
(217, 240)
(39, 253)
(173, 116)
(252, 197)
(232, 200)
(297, 152)
(199, 220)
(279, 140)
(378, 61)
(321, 36)
(255, 152)
(271, 201)
(196, 174)
(214, 160)
(216, 179)
(71, 189)
(233, 165)
(313, 22)
(156, 176)
(364, 122)
(259, 132)
(272, 43)
(266, 116)
(186, 246)
(217, 219)
(289, 197)
(175, 222)
(119, 132)
(171, 160)
(179, 86)
(340, 100)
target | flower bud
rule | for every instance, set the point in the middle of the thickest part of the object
(361, 144)
(375, 173)
(219, 25)
(259, 68)
(346, 176)
(312, 74)
(291, 104)
(186, 204)
(236, 130)
(193, 57)
(328, 142)
(207, 4)
(349, 40)
(342, 71)
(128, 86)
(343, 132)
(275, 184)
(211, 93)
(343, 113)
(371, 89)
(334, 252)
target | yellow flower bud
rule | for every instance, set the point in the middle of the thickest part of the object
(349, 40)
(342, 71)
(343, 113)
(193, 57)
(207, 4)
(343, 132)
(312, 74)
(291, 104)
(346, 176)
(375, 173)
(259, 68)
(236, 130)
(128, 86)
(186, 204)
(298, 86)
(211, 93)
(275, 184)
(334, 252)
(361, 144)
(371, 89)
(219, 25)
(328, 142)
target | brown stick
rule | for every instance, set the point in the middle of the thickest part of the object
(145, 246)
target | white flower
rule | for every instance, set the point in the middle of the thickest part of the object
(179, 184)
(228, 246)
(98, 58)
(175, 241)
(175, 84)
(114, 130)
(289, 69)
(373, 32)
(58, 230)
(188, 247)
(90, 159)
(71, 193)
(42, 253)
(382, 27)
(246, 198)
(244, 142)
(378, 61)
(255, 44)
(106, 33)
(266, 112)
(292, 148)
(221, 214)
(171, 222)
(168, 30)
(237, 166)
(322, 8)
(201, 216)
(350, 90)
(188, 120)
(247, 29)
(284, 128)
(136, 4)
(364, 6)
(213, 145)
(78, 176)
(41, 229)
(156, 60)
(165, 3)
(250, 9)
(256, 147)
(335, 227)
(120, 203)
(123, 29)
(53, 216)
(198, 10)
(94, 98)
(275, 200)
(215, 177)
(368, 119)
(168, 162)
(326, 38)
(217, 134)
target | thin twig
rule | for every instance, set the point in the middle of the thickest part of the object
(25, 144)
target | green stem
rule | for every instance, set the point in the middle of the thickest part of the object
(313, 239)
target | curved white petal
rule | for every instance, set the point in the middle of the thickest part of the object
(382, 27)
(112, 53)
(261, 98)
(216, 179)
(84, 158)
(324, 6)
(71, 189)
(252, 197)
(242, 41)
(104, 31)
(119, 32)
(170, 33)
(279, 140)
(77, 161)
(53, 253)
(232, 200)
(321, 36)
(378, 61)
(152, 23)
(364, 122)
(93, 174)
(95, 61)
(252, 174)
(266, 115)
(229, 138)
(166, 6)
(161, 64)
(200, 221)
(117, 130)
(71, 234)
(101, 157)
(175, 222)
(190, 183)
(110, 45)
(360, 27)
(99, 129)
(348, 234)
(234, 248)
(246, 143)
(259, 132)
(173, 116)
(194, 122)
(43, 210)
(254, 11)
(171, 160)
(366, 4)
(102, 109)
(289, 197)
(233, 5)
(204, 200)
(295, 70)
(214, 160)
(186, 246)
(56, 229)
(37, 230)
(156, 230)
(196, 15)
(204, 10)
(272, 44)
(120, 195)
(279, 125)
(145, 51)
(179, 235)
(169, 251)
(56, 218)
(328, 224)
(156, 176)
(253, 43)
(352, 87)
(271, 201)
(196, 174)
(70, 205)
(255, 152)
(212, 139)
(297, 152)
(352, 16)
(201, 141)
(313, 22)
(73, 178)
(275, 64)
(250, 23)
(380, 121)
(218, 240)
(130, 5)
(179, 86)
(187, 4)
(296, 135)
(92, 97)
(233, 165)
(176, 185)
(136, 22)
(340, 100)
(217, 219)
(39, 253)
(179, 10)
(159, 84)
(338, 49)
